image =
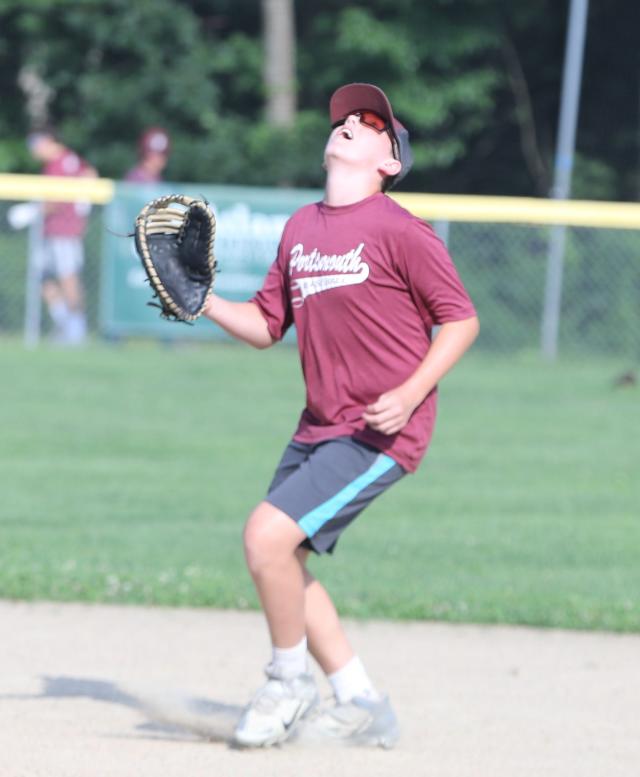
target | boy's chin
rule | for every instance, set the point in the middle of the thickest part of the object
(339, 158)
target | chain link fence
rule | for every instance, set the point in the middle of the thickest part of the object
(503, 266)
(16, 246)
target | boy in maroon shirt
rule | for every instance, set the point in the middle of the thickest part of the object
(62, 252)
(364, 282)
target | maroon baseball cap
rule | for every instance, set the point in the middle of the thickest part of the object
(356, 97)
(154, 140)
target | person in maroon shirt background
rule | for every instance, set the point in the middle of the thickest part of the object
(364, 282)
(154, 148)
(62, 254)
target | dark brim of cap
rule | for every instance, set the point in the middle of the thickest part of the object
(354, 97)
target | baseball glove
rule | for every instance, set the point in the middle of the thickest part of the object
(174, 238)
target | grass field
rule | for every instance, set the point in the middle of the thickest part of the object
(127, 472)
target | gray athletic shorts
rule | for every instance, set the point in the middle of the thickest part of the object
(323, 487)
(60, 257)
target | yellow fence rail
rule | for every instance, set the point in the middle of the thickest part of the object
(16, 187)
(435, 207)
(523, 210)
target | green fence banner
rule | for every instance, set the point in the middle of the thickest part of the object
(249, 226)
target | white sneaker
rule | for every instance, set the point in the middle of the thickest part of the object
(275, 711)
(360, 721)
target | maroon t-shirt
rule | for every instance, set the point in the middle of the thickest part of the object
(140, 174)
(364, 285)
(66, 219)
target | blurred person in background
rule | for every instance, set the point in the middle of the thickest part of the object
(62, 251)
(154, 148)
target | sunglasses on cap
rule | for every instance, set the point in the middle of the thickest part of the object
(369, 119)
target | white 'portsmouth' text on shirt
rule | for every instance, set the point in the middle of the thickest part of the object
(334, 270)
(314, 261)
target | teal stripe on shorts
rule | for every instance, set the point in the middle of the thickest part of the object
(316, 518)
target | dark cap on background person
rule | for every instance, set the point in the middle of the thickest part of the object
(359, 97)
(154, 140)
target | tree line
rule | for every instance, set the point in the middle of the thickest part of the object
(477, 82)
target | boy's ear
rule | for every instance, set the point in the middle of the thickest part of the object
(390, 167)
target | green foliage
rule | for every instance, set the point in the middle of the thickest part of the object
(593, 179)
(14, 154)
(427, 65)
(196, 68)
(117, 67)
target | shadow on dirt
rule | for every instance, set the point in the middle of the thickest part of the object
(170, 713)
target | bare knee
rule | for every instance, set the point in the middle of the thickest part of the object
(271, 538)
(302, 554)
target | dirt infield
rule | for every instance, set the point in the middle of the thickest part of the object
(78, 686)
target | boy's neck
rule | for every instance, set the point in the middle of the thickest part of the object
(345, 187)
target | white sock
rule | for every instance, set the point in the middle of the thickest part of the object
(352, 680)
(59, 313)
(75, 327)
(290, 662)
